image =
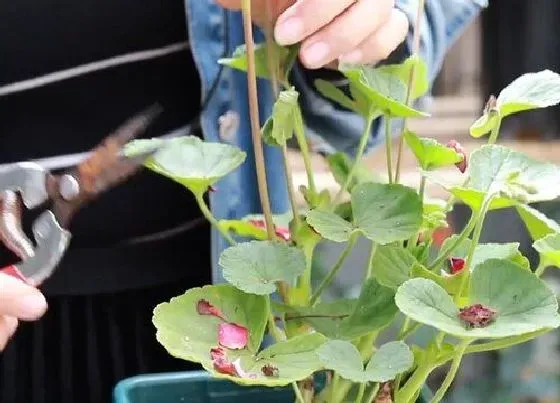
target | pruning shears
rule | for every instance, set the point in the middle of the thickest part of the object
(27, 185)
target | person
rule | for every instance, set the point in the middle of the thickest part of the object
(73, 71)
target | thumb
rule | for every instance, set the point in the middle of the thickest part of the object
(20, 300)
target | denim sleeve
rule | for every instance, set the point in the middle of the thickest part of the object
(332, 128)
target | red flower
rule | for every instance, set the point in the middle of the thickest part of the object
(233, 336)
(457, 264)
(459, 150)
(477, 315)
(204, 307)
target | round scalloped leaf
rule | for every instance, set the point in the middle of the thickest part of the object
(256, 266)
(384, 91)
(190, 161)
(330, 225)
(389, 360)
(189, 336)
(431, 154)
(386, 213)
(549, 248)
(523, 302)
(509, 175)
(536, 222)
(530, 91)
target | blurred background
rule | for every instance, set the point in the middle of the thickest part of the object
(510, 38)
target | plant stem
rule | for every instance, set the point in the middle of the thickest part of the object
(255, 120)
(411, 79)
(361, 392)
(272, 328)
(372, 394)
(304, 148)
(334, 387)
(210, 217)
(332, 273)
(505, 342)
(452, 371)
(421, 190)
(496, 130)
(404, 327)
(543, 265)
(388, 150)
(359, 154)
(458, 241)
(409, 332)
(273, 67)
(369, 272)
(465, 274)
(414, 384)
(297, 392)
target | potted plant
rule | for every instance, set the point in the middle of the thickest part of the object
(478, 297)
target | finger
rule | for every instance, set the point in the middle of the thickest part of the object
(8, 325)
(345, 33)
(20, 300)
(382, 43)
(306, 17)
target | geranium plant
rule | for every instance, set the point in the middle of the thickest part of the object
(479, 297)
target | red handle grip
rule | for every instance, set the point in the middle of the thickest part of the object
(13, 271)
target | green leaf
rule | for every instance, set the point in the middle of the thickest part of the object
(330, 91)
(266, 133)
(340, 165)
(286, 57)
(434, 215)
(190, 161)
(244, 229)
(329, 225)
(391, 265)
(484, 125)
(403, 71)
(350, 319)
(536, 222)
(431, 154)
(486, 251)
(283, 116)
(549, 248)
(389, 361)
(386, 213)
(256, 266)
(530, 91)
(511, 176)
(381, 89)
(523, 302)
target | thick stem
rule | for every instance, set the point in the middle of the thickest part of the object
(272, 328)
(208, 215)
(372, 394)
(411, 79)
(359, 154)
(543, 264)
(369, 272)
(388, 150)
(465, 274)
(410, 331)
(421, 190)
(361, 391)
(414, 384)
(444, 255)
(297, 392)
(496, 130)
(333, 272)
(304, 148)
(255, 120)
(505, 342)
(460, 351)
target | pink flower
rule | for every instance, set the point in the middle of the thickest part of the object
(204, 307)
(459, 150)
(477, 315)
(221, 363)
(281, 232)
(457, 264)
(233, 336)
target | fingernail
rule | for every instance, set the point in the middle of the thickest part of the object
(32, 306)
(352, 57)
(316, 54)
(289, 31)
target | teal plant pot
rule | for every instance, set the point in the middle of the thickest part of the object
(200, 387)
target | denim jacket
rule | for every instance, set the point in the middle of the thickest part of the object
(215, 33)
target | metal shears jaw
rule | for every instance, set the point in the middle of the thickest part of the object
(25, 184)
(28, 185)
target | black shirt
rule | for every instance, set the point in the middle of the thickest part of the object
(128, 238)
